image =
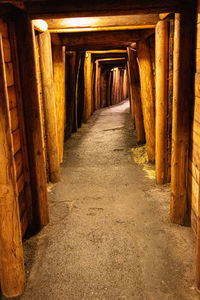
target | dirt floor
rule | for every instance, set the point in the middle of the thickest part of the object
(110, 236)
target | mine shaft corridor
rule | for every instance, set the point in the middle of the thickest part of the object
(109, 236)
(100, 149)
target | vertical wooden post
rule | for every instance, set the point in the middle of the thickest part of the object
(103, 85)
(11, 252)
(113, 88)
(135, 95)
(32, 114)
(59, 87)
(70, 90)
(147, 96)
(197, 75)
(170, 99)
(130, 94)
(161, 101)
(88, 87)
(49, 105)
(182, 99)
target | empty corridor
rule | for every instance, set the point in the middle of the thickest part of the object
(110, 236)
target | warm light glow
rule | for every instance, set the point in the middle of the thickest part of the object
(40, 25)
(78, 22)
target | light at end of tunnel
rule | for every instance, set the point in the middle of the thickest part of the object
(40, 25)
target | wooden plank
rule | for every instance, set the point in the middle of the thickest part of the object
(194, 170)
(20, 108)
(6, 50)
(197, 86)
(182, 100)
(194, 188)
(100, 23)
(19, 163)
(49, 105)
(32, 114)
(9, 74)
(11, 259)
(100, 40)
(16, 140)
(14, 119)
(12, 97)
(161, 101)
(147, 96)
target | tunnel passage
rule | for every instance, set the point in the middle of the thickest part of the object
(58, 65)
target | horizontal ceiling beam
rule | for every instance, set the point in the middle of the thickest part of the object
(102, 23)
(79, 8)
(101, 40)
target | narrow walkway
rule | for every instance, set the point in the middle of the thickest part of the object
(110, 236)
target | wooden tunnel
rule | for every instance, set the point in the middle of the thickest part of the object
(55, 73)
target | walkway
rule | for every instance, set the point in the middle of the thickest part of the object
(110, 236)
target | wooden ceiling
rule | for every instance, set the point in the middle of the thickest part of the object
(91, 8)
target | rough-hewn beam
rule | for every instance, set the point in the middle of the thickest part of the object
(147, 96)
(161, 100)
(77, 8)
(100, 40)
(11, 258)
(33, 121)
(135, 95)
(182, 99)
(103, 23)
(49, 105)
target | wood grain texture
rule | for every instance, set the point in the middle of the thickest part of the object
(135, 95)
(11, 258)
(182, 99)
(49, 105)
(161, 101)
(33, 121)
(59, 88)
(147, 96)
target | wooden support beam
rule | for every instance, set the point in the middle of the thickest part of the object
(182, 99)
(147, 96)
(100, 40)
(170, 99)
(41, 9)
(60, 99)
(161, 59)
(103, 23)
(104, 87)
(88, 87)
(70, 90)
(130, 94)
(33, 121)
(55, 39)
(49, 105)
(80, 90)
(135, 95)
(11, 258)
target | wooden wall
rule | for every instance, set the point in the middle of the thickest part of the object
(194, 148)
(17, 125)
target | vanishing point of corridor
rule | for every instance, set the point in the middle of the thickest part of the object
(109, 236)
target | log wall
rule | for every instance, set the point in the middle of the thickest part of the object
(194, 149)
(17, 127)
